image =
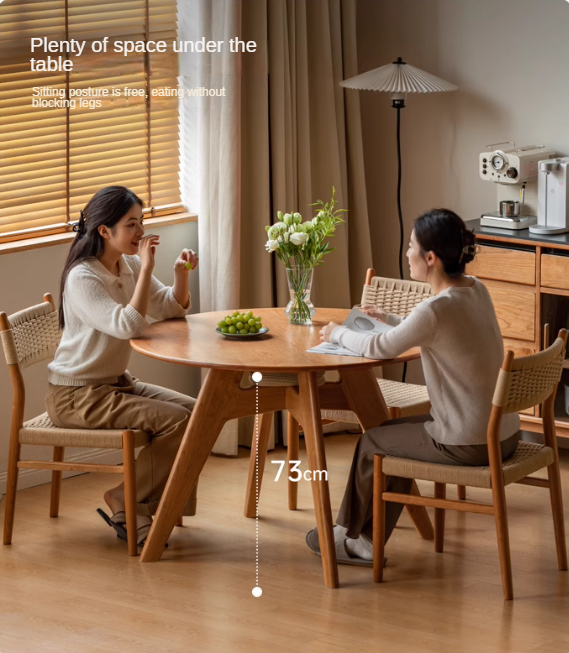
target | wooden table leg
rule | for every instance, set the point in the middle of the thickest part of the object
(215, 402)
(365, 399)
(257, 460)
(305, 407)
(292, 453)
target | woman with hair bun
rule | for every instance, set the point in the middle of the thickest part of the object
(107, 291)
(461, 352)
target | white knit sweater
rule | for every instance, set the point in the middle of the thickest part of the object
(99, 321)
(461, 351)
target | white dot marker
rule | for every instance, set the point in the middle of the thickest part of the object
(257, 591)
(257, 377)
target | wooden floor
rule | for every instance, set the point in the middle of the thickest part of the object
(67, 584)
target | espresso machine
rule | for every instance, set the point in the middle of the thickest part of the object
(552, 197)
(514, 170)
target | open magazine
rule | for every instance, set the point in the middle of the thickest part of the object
(358, 322)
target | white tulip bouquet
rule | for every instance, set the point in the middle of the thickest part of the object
(301, 247)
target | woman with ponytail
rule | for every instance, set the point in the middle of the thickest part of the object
(461, 352)
(107, 291)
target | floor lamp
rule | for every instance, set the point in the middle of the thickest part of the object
(399, 78)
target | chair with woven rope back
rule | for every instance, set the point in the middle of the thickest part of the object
(522, 383)
(402, 399)
(28, 337)
(398, 297)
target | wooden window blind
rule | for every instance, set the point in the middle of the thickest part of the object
(52, 160)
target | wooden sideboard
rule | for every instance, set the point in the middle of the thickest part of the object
(528, 279)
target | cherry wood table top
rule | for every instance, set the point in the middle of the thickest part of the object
(194, 341)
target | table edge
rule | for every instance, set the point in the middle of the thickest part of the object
(358, 362)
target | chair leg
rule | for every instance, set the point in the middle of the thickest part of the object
(420, 517)
(129, 463)
(58, 453)
(557, 510)
(378, 519)
(501, 519)
(461, 491)
(11, 488)
(257, 459)
(440, 493)
(293, 447)
(193, 500)
(394, 412)
(180, 521)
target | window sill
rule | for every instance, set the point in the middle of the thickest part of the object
(67, 237)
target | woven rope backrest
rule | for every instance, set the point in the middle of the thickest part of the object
(396, 296)
(33, 336)
(531, 380)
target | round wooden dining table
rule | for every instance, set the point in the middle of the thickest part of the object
(194, 342)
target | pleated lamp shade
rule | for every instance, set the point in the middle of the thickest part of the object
(399, 78)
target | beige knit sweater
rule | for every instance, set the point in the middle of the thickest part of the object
(461, 351)
(99, 321)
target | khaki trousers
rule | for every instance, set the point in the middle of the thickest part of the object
(405, 438)
(130, 404)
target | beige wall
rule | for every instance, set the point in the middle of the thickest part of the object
(510, 60)
(24, 277)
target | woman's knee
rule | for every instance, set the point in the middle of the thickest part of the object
(177, 418)
(371, 442)
(185, 415)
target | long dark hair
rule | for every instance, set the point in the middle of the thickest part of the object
(444, 233)
(106, 207)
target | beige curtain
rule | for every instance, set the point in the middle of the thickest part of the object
(211, 147)
(211, 158)
(301, 135)
(284, 137)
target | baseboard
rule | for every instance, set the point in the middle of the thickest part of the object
(28, 478)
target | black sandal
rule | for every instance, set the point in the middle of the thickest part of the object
(120, 527)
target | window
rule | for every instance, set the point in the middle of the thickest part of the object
(53, 158)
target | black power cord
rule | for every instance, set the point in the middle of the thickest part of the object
(400, 104)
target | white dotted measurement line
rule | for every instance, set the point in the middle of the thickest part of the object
(257, 591)
(257, 487)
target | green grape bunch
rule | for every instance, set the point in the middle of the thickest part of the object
(240, 323)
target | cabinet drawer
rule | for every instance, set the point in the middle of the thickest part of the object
(504, 264)
(555, 271)
(515, 310)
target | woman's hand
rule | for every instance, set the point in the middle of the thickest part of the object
(188, 260)
(141, 296)
(146, 250)
(186, 256)
(375, 312)
(326, 332)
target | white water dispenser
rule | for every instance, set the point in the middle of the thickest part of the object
(552, 197)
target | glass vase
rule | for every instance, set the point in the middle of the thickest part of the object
(300, 309)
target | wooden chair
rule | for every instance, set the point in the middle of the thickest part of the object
(522, 383)
(402, 399)
(28, 337)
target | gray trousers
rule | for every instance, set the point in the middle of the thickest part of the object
(405, 438)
